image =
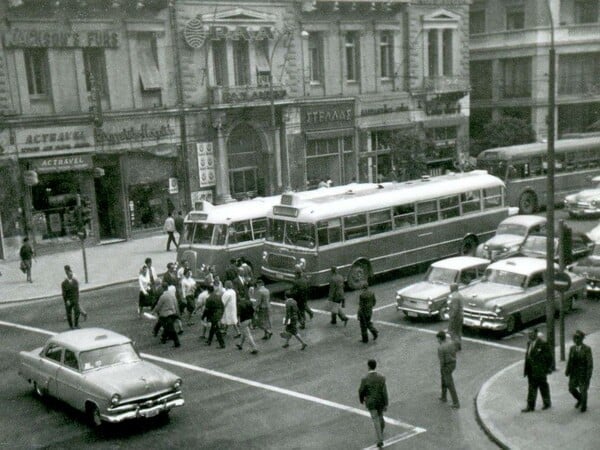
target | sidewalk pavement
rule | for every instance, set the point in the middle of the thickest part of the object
(501, 398)
(107, 265)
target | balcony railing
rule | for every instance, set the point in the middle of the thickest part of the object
(445, 84)
(246, 94)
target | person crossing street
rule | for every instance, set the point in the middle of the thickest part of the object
(366, 302)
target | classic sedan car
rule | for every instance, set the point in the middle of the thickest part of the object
(428, 298)
(99, 372)
(589, 267)
(535, 246)
(509, 236)
(586, 202)
(511, 293)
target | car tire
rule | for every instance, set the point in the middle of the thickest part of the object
(93, 414)
(513, 322)
(39, 392)
(528, 203)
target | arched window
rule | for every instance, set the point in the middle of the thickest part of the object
(246, 167)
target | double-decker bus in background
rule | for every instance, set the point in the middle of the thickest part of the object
(387, 227)
(523, 169)
(215, 234)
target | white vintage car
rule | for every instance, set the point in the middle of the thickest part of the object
(512, 293)
(584, 203)
(510, 234)
(99, 372)
(428, 298)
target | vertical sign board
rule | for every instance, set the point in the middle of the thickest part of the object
(206, 163)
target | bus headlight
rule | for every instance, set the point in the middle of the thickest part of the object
(302, 263)
(264, 255)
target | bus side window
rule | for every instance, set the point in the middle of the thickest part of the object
(240, 232)
(470, 202)
(449, 207)
(220, 234)
(380, 222)
(259, 227)
(329, 231)
(404, 216)
(427, 212)
(492, 197)
(355, 226)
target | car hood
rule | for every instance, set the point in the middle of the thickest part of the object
(504, 240)
(590, 264)
(132, 380)
(425, 290)
(488, 295)
(585, 195)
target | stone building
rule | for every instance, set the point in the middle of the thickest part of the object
(510, 43)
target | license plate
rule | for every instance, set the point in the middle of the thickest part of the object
(279, 276)
(150, 413)
(412, 314)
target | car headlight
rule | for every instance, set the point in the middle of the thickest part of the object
(115, 399)
(498, 310)
(594, 202)
(177, 383)
(264, 256)
(430, 302)
(486, 247)
(302, 263)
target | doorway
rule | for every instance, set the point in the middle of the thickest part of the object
(111, 221)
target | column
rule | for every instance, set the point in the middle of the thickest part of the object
(223, 194)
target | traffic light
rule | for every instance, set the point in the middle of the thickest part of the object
(566, 244)
(86, 212)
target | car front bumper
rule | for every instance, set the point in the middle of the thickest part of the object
(413, 312)
(485, 323)
(582, 211)
(138, 411)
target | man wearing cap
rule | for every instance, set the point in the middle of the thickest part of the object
(70, 295)
(447, 357)
(366, 301)
(579, 370)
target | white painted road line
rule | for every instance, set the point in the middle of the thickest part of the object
(361, 412)
(423, 330)
(379, 308)
(395, 439)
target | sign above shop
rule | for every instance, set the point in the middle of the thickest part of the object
(21, 38)
(156, 135)
(327, 116)
(53, 139)
(62, 163)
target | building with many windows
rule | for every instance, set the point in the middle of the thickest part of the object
(510, 42)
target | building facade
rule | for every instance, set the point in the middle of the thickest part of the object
(510, 43)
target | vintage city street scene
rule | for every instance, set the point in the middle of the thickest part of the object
(300, 224)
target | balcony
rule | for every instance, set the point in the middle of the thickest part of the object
(232, 95)
(435, 85)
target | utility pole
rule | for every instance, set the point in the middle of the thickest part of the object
(550, 309)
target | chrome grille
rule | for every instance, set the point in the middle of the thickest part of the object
(281, 261)
(473, 314)
(415, 303)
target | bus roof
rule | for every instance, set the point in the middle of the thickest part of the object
(525, 150)
(386, 195)
(260, 206)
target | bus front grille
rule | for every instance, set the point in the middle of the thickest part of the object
(281, 262)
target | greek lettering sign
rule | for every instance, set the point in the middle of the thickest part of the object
(62, 163)
(23, 38)
(53, 139)
(331, 115)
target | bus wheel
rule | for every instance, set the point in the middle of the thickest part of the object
(468, 246)
(359, 274)
(528, 203)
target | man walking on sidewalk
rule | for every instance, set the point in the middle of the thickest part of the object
(169, 228)
(538, 364)
(70, 295)
(179, 227)
(447, 357)
(366, 302)
(579, 370)
(336, 297)
(373, 393)
(26, 254)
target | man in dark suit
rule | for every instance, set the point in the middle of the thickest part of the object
(579, 370)
(336, 297)
(213, 312)
(70, 294)
(538, 364)
(366, 302)
(239, 285)
(373, 393)
(300, 291)
(447, 356)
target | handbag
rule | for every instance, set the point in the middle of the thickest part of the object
(23, 266)
(284, 334)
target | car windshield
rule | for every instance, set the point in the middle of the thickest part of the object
(108, 356)
(536, 245)
(505, 277)
(289, 232)
(511, 228)
(441, 275)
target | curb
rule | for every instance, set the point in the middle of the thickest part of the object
(491, 432)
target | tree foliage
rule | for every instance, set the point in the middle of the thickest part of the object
(409, 149)
(503, 132)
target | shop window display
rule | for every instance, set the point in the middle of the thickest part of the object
(149, 205)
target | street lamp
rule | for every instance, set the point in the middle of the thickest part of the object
(550, 310)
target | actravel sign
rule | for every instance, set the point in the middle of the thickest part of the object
(62, 163)
(31, 141)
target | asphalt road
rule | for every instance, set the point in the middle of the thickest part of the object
(279, 398)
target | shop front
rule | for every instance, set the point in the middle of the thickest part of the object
(329, 147)
(141, 165)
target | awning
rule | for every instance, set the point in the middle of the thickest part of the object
(149, 73)
(328, 134)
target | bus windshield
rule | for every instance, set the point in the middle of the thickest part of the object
(293, 233)
(494, 167)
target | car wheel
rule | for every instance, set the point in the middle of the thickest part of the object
(512, 323)
(359, 274)
(528, 203)
(468, 246)
(38, 390)
(93, 414)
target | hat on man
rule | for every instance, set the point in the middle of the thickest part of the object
(579, 335)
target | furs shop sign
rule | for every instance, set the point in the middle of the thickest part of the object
(20, 38)
(144, 133)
